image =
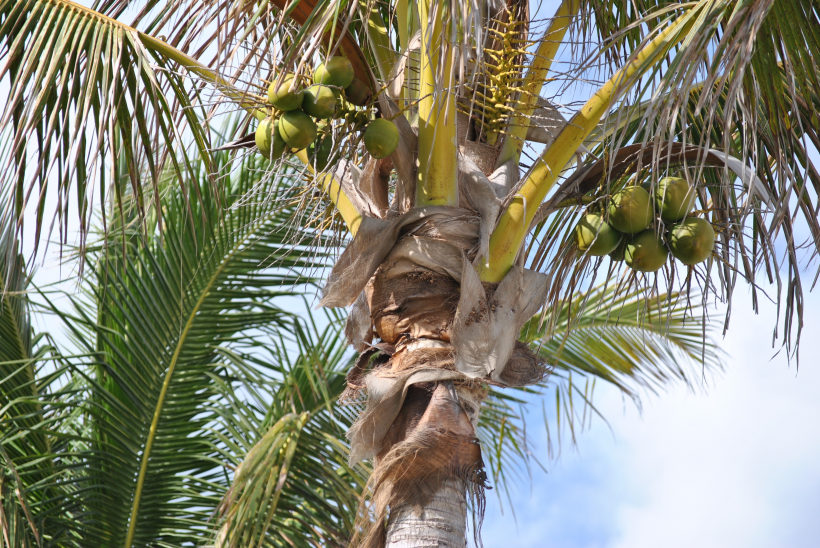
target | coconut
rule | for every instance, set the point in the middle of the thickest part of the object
(278, 144)
(264, 137)
(283, 97)
(381, 138)
(692, 240)
(630, 210)
(336, 72)
(646, 251)
(674, 198)
(319, 152)
(297, 129)
(596, 237)
(358, 93)
(320, 102)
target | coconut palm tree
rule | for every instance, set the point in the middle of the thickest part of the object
(241, 415)
(454, 248)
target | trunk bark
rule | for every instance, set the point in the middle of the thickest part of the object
(440, 524)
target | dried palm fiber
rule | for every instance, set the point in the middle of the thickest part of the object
(385, 397)
(373, 241)
(486, 326)
(359, 326)
(414, 302)
(433, 424)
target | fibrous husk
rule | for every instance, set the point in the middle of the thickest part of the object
(373, 241)
(359, 326)
(487, 324)
(483, 196)
(437, 427)
(386, 392)
(523, 367)
(418, 304)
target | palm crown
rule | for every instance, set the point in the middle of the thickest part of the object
(454, 249)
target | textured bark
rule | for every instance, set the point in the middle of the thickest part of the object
(440, 524)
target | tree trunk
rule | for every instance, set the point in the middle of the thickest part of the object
(440, 524)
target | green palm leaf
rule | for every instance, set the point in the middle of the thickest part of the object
(152, 318)
(634, 344)
(86, 90)
(294, 486)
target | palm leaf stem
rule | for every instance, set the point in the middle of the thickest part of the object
(378, 38)
(330, 183)
(437, 182)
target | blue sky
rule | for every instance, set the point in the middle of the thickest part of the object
(731, 464)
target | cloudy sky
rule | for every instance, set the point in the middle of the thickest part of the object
(736, 463)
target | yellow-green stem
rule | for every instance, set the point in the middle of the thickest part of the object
(377, 36)
(508, 236)
(535, 78)
(244, 100)
(352, 217)
(437, 182)
(403, 23)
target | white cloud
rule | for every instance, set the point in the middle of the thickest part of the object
(735, 464)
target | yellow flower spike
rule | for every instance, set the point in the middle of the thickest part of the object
(535, 79)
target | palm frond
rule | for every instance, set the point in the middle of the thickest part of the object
(625, 340)
(150, 322)
(85, 93)
(741, 82)
(294, 486)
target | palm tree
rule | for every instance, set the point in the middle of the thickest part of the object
(249, 440)
(453, 249)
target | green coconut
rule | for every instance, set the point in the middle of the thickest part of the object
(320, 102)
(264, 137)
(630, 210)
(336, 72)
(381, 138)
(596, 237)
(278, 144)
(358, 93)
(282, 97)
(674, 198)
(297, 129)
(646, 251)
(692, 240)
(319, 152)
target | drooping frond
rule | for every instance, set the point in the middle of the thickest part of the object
(295, 454)
(634, 344)
(153, 317)
(85, 92)
(739, 92)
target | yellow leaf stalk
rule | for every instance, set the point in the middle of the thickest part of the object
(351, 216)
(508, 236)
(437, 182)
(535, 78)
(378, 38)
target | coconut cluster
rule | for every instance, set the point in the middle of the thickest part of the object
(302, 115)
(628, 229)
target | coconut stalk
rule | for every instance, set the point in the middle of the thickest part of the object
(438, 300)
